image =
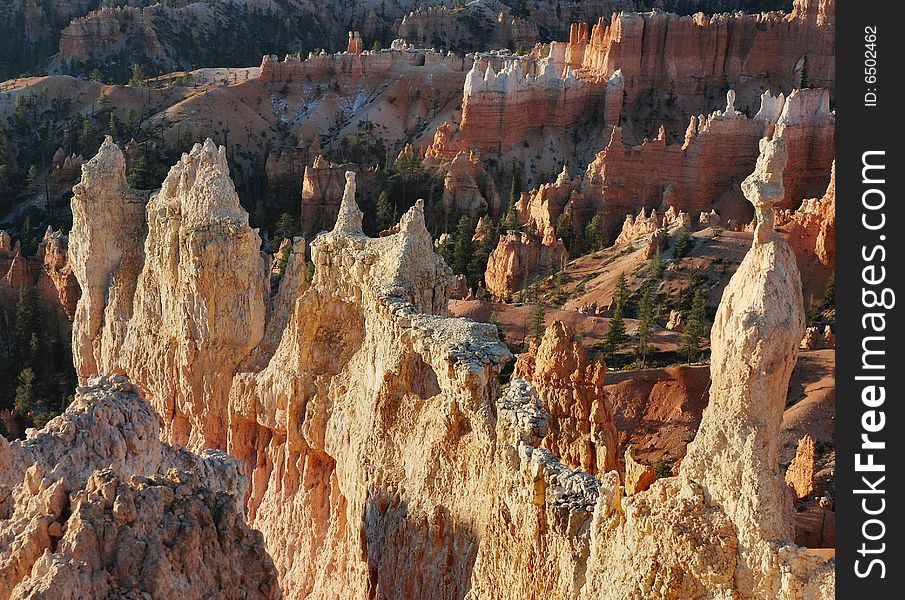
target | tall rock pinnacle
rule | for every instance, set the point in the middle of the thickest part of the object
(754, 347)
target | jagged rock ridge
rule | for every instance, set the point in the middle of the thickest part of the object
(386, 459)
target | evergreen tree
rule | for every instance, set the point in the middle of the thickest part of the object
(684, 244)
(386, 212)
(286, 227)
(26, 392)
(621, 295)
(537, 326)
(138, 76)
(139, 175)
(462, 246)
(695, 328)
(657, 266)
(32, 178)
(645, 324)
(86, 135)
(113, 126)
(615, 333)
(829, 293)
(593, 235)
(26, 321)
(509, 221)
(564, 228)
(487, 236)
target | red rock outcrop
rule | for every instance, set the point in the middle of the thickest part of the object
(500, 107)
(703, 173)
(517, 257)
(322, 187)
(570, 386)
(695, 56)
(96, 506)
(354, 46)
(811, 231)
(468, 188)
(800, 474)
(48, 274)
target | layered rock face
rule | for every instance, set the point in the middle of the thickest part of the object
(703, 173)
(468, 188)
(386, 461)
(48, 274)
(501, 106)
(811, 231)
(96, 506)
(696, 55)
(570, 385)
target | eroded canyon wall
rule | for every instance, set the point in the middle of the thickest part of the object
(386, 458)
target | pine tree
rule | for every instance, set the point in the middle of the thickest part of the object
(645, 324)
(615, 333)
(593, 235)
(621, 294)
(509, 221)
(386, 212)
(462, 246)
(113, 126)
(695, 328)
(684, 244)
(564, 228)
(829, 293)
(538, 316)
(286, 227)
(26, 321)
(487, 242)
(138, 76)
(26, 392)
(657, 266)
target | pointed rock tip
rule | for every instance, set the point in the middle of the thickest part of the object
(349, 218)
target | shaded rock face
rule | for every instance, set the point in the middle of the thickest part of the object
(48, 274)
(385, 459)
(96, 506)
(570, 385)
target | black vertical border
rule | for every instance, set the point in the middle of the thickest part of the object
(860, 128)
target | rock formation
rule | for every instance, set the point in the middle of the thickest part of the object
(638, 476)
(96, 506)
(47, 274)
(354, 46)
(468, 188)
(384, 457)
(517, 257)
(811, 231)
(719, 150)
(570, 386)
(195, 283)
(663, 51)
(800, 474)
(754, 345)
